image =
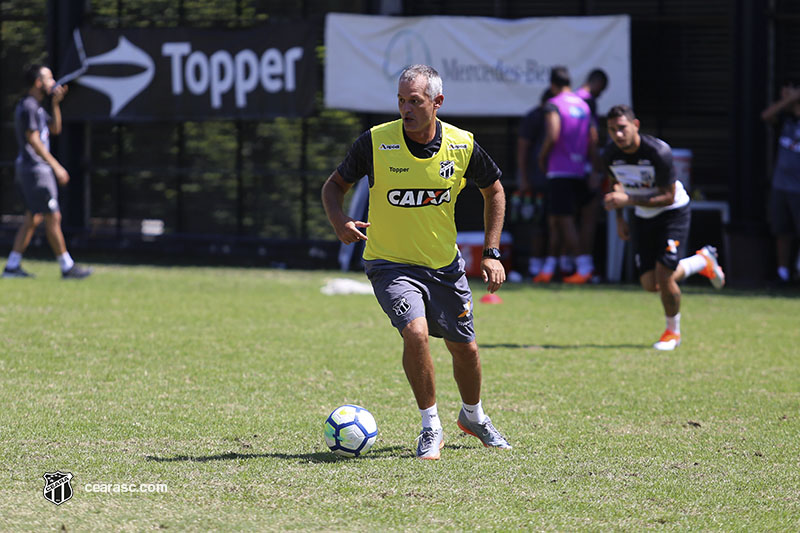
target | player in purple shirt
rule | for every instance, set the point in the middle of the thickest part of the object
(569, 145)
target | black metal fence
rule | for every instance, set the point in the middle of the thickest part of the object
(250, 181)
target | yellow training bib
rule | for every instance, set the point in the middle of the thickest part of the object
(412, 201)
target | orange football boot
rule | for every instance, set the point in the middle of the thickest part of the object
(669, 341)
(577, 278)
(712, 270)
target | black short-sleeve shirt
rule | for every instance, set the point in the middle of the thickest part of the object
(654, 157)
(358, 162)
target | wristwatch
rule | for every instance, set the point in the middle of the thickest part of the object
(492, 253)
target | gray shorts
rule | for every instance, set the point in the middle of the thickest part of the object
(785, 212)
(38, 188)
(443, 297)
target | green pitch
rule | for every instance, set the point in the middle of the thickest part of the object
(215, 384)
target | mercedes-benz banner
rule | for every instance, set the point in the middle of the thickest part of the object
(489, 66)
(190, 74)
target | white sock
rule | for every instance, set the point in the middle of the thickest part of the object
(14, 259)
(783, 272)
(693, 264)
(585, 264)
(430, 417)
(549, 265)
(65, 261)
(474, 412)
(535, 265)
(674, 323)
(565, 263)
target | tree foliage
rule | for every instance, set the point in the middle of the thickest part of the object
(249, 178)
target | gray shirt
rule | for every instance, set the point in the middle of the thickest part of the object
(30, 115)
(787, 165)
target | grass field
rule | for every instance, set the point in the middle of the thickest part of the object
(215, 382)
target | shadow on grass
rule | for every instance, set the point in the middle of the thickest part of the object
(562, 346)
(316, 457)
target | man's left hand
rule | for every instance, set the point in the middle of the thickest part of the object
(493, 273)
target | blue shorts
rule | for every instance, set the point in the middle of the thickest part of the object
(442, 296)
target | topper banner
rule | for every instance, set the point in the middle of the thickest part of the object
(190, 74)
(489, 66)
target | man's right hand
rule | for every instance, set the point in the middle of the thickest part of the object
(790, 93)
(522, 182)
(616, 200)
(349, 232)
(623, 229)
(62, 176)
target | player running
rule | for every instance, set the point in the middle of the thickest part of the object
(643, 176)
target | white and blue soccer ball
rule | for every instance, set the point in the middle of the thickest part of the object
(350, 430)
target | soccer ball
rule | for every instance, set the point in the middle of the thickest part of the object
(350, 430)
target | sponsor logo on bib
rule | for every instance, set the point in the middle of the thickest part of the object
(418, 197)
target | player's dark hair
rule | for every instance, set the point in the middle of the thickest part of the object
(597, 75)
(621, 110)
(559, 76)
(32, 73)
(546, 95)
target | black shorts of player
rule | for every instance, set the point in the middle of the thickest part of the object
(533, 211)
(38, 189)
(442, 296)
(566, 195)
(785, 212)
(663, 238)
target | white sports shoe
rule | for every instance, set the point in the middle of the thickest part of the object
(485, 431)
(669, 341)
(712, 270)
(429, 443)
